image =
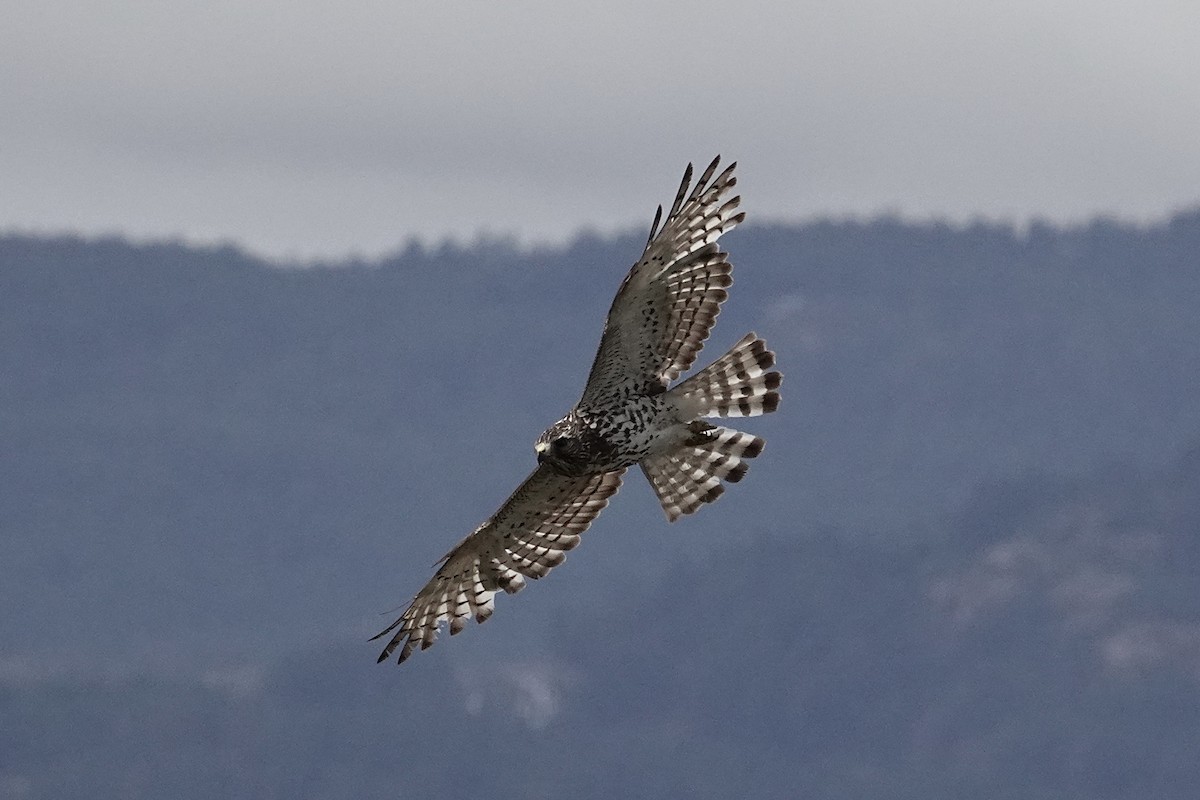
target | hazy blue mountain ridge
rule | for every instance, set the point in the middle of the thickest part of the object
(1045, 642)
(206, 454)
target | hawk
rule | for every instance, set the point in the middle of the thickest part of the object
(629, 414)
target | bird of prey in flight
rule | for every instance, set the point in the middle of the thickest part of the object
(629, 414)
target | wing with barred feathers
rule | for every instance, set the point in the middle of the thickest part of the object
(526, 538)
(667, 304)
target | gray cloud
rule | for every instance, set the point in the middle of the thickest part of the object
(310, 127)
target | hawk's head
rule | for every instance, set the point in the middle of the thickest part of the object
(561, 448)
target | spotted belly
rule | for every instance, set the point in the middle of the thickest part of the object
(624, 435)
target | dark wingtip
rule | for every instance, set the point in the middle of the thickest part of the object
(654, 226)
(770, 402)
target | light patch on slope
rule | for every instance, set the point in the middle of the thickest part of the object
(534, 692)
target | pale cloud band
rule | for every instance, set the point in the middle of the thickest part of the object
(326, 128)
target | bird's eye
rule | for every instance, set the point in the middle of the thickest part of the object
(561, 445)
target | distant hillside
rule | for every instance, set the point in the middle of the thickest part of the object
(208, 455)
(1043, 643)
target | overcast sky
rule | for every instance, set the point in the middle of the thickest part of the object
(319, 128)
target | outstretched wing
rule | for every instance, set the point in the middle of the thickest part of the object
(669, 300)
(526, 538)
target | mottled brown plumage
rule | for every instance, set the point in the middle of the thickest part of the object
(628, 414)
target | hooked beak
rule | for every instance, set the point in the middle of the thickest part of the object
(542, 448)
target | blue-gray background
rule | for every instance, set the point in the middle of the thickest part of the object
(965, 566)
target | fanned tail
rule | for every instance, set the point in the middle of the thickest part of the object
(690, 476)
(735, 385)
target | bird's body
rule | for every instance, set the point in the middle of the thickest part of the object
(629, 414)
(606, 438)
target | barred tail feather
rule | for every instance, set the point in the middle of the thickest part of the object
(735, 385)
(690, 476)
